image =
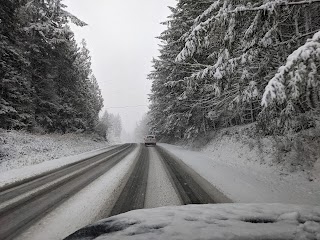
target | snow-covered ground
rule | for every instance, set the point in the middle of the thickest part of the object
(214, 222)
(297, 153)
(19, 149)
(248, 181)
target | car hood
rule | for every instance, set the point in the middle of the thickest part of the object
(210, 221)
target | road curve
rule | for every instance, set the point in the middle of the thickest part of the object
(22, 205)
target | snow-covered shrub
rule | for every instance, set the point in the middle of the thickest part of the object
(298, 151)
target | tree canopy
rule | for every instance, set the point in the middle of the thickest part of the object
(45, 77)
(232, 62)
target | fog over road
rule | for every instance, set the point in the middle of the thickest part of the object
(152, 178)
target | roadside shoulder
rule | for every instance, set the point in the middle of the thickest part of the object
(243, 184)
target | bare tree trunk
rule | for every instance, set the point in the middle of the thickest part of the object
(251, 112)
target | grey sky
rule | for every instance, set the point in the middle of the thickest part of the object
(121, 39)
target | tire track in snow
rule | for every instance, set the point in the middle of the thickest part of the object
(160, 179)
(133, 194)
(14, 219)
(89, 205)
(190, 186)
(160, 191)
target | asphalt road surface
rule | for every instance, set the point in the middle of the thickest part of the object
(157, 178)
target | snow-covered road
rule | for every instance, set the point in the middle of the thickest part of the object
(97, 200)
(22, 205)
(165, 194)
(161, 176)
(158, 179)
(92, 203)
(144, 178)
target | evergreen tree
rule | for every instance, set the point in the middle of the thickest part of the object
(170, 115)
(142, 128)
(103, 125)
(115, 127)
(294, 90)
(16, 103)
(231, 49)
(46, 80)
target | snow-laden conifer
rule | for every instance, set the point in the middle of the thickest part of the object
(298, 76)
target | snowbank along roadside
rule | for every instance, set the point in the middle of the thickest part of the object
(19, 149)
(246, 167)
(19, 174)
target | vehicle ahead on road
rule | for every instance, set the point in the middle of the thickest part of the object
(150, 140)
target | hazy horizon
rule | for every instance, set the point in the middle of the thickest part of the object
(122, 41)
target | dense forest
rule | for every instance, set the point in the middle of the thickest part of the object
(142, 129)
(231, 62)
(109, 127)
(46, 81)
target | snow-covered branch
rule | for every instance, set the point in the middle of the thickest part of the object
(195, 39)
(300, 67)
(298, 37)
(271, 5)
(207, 13)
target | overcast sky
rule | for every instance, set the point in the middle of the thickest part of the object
(121, 38)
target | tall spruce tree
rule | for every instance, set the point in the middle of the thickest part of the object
(231, 49)
(46, 81)
(16, 91)
(170, 115)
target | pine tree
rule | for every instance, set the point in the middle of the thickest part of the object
(16, 105)
(294, 90)
(46, 81)
(49, 36)
(170, 116)
(142, 128)
(103, 126)
(231, 49)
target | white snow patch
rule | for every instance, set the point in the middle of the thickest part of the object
(211, 221)
(93, 202)
(247, 181)
(19, 148)
(160, 191)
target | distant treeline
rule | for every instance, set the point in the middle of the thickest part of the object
(46, 82)
(231, 62)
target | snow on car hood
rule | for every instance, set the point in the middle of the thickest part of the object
(211, 221)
